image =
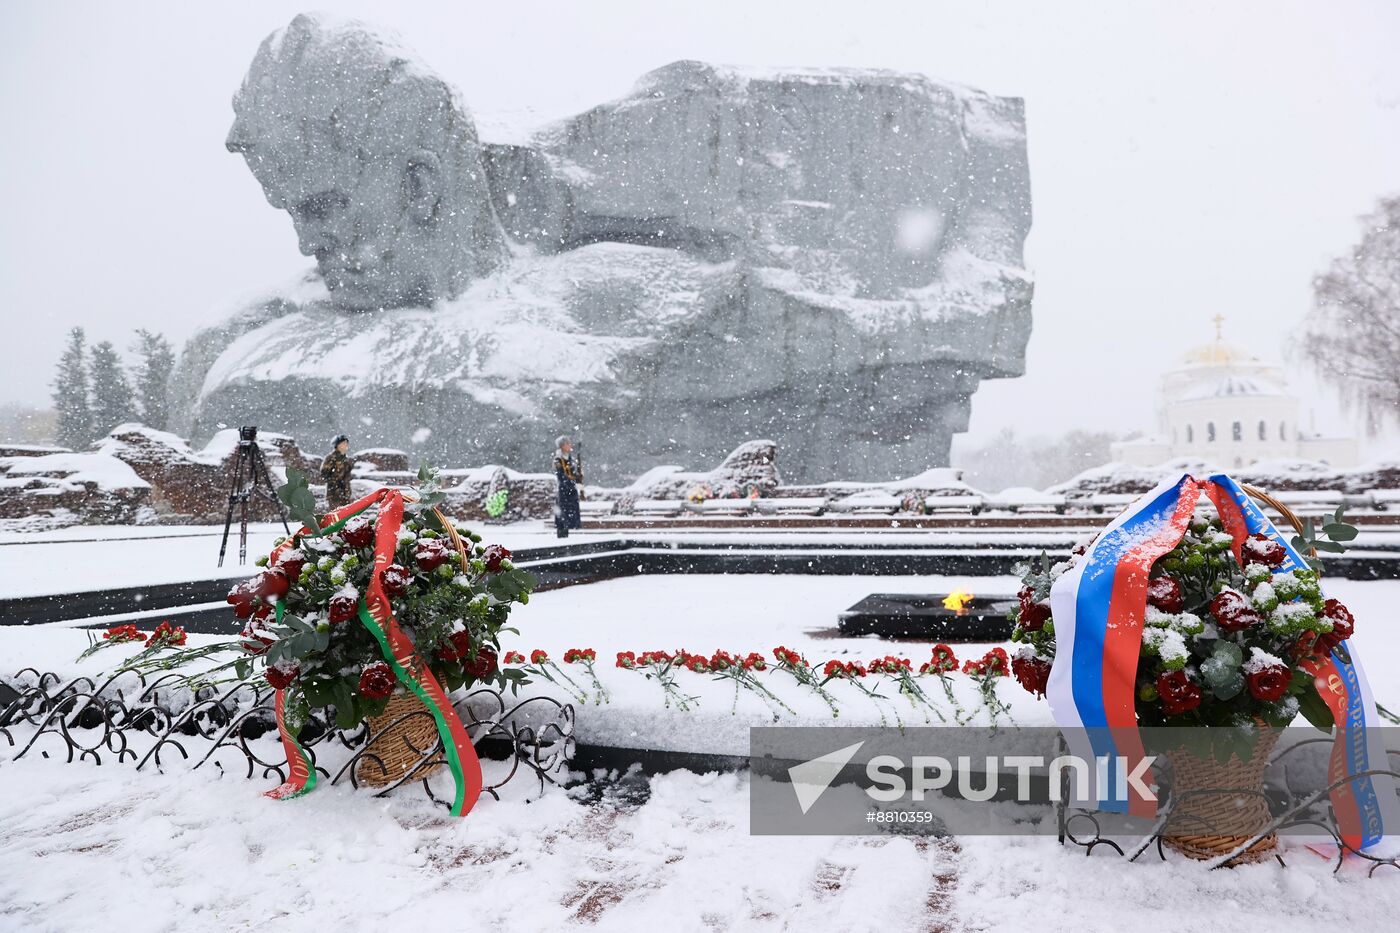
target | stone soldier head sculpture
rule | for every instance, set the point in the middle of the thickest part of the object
(376, 160)
(861, 229)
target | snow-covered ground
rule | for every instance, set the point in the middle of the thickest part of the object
(98, 557)
(85, 847)
(738, 613)
(105, 848)
(700, 613)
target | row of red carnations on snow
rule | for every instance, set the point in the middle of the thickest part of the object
(1030, 673)
(377, 680)
(743, 669)
(995, 663)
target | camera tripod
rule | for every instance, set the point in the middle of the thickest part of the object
(250, 458)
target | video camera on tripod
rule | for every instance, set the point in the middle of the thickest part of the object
(249, 462)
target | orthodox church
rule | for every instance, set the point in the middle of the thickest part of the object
(1228, 407)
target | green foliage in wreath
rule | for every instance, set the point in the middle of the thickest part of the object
(1225, 642)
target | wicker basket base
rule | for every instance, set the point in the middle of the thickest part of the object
(1205, 848)
(395, 749)
(1209, 825)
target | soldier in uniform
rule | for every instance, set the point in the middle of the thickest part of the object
(335, 472)
(569, 472)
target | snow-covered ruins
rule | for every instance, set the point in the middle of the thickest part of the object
(831, 259)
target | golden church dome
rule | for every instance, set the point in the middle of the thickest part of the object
(1218, 352)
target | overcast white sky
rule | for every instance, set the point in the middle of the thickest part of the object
(1187, 158)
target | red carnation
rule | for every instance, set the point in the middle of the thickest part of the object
(166, 636)
(1232, 611)
(697, 663)
(457, 648)
(889, 664)
(574, 655)
(358, 532)
(1033, 673)
(994, 663)
(241, 599)
(1343, 622)
(342, 608)
(1033, 615)
(483, 665)
(515, 657)
(376, 681)
(493, 556)
(1261, 549)
(281, 675)
(539, 656)
(432, 554)
(626, 659)
(1165, 593)
(1306, 646)
(271, 584)
(291, 563)
(754, 661)
(943, 661)
(123, 633)
(1268, 684)
(723, 660)
(1179, 695)
(833, 668)
(787, 656)
(395, 579)
(255, 637)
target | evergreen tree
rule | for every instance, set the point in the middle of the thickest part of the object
(153, 378)
(70, 394)
(112, 402)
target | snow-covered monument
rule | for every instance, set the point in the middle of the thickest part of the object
(1228, 407)
(828, 258)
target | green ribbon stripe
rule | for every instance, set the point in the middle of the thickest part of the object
(454, 760)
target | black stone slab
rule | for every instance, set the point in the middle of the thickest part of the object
(583, 562)
(63, 607)
(906, 615)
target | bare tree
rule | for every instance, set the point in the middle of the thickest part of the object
(1352, 334)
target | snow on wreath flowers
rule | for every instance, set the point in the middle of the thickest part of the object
(301, 613)
(1224, 641)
